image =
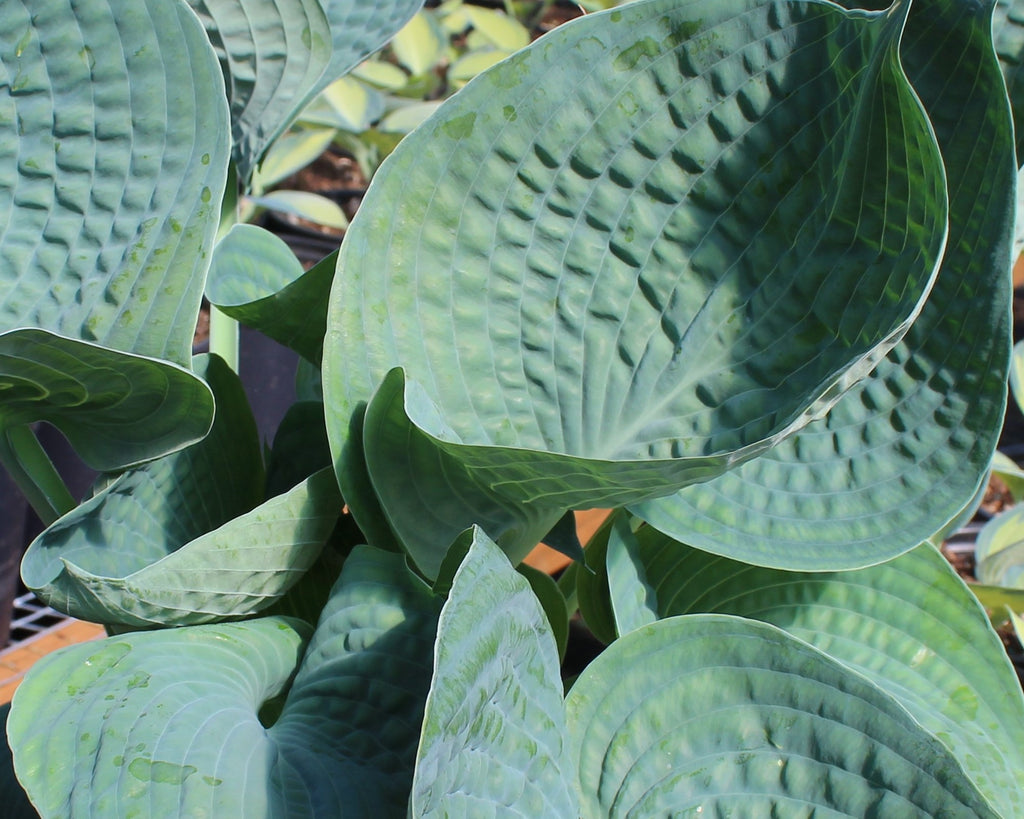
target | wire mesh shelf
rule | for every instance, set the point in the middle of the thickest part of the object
(31, 617)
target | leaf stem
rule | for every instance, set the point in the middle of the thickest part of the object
(224, 337)
(31, 468)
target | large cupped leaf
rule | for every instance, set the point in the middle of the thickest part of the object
(683, 232)
(494, 739)
(186, 539)
(272, 53)
(908, 447)
(175, 722)
(256, 279)
(910, 625)
(113, 158)
(725, 716)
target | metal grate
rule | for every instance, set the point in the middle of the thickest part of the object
(30, 617)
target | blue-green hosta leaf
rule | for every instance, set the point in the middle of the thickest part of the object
(235, 570)
(156, 724)
(494, 736)
(361, 692)
(178, 540)
(632, 599)
(717, 714)
(307, 598)
(999, 551)
(256, 279)
(404, 462)
(115, 408)
(272, 53)
(909, 625)
(592, 587)
(907, 448)
(137, 517)
(552, 601)
(113, 157)
(167, 723)
(658, 257)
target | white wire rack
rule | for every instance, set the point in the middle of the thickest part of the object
(30, 617)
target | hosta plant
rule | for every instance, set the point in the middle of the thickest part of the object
(735, 269)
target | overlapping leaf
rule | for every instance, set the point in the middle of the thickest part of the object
(909, 446)
(256, 279)
(909, 625)
(272, 53)
(721, 714)
(178, 540)
(233, 571)
(181, 722)
(494, 738)
(685, 263)
(358, 29)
